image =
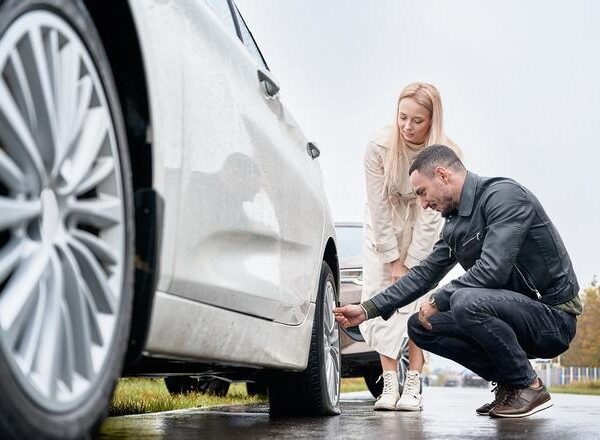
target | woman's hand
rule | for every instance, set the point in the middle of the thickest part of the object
(398, 270)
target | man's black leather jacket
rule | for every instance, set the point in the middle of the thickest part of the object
(503, 238)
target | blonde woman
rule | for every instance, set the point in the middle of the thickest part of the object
(398, 232)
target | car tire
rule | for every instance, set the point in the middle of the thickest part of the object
(58, 375)
(372, 376)
(316, 390)
(187, 384)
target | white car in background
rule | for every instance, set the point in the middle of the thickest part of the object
(161, 214)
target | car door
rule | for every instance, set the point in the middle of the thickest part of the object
(244, 193)
(294, 184)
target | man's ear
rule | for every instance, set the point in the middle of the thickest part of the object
(442, 173)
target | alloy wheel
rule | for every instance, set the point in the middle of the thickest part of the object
(331, 344)
(62, 217)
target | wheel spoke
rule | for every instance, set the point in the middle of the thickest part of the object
(48, 134)
(17, 137)
(80, 324)
(93, 136)
(102, 213)
(99, 248)
(10, 255)
(48, 359)
(18, 82)
(104, 167)
(10, 174)
(67, 76)
(16, 333)
(31, 339)
(20, 286)
(16, 212)
(84, 96)
(67, 366)
(70, 67)
(95, 278)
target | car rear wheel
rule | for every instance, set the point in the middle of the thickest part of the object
(66, 223)
(315, 391)
(187, 384)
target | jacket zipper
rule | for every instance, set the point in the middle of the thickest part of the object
(527, 283)
(447, 242)
(476, 236)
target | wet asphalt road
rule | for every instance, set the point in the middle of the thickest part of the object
(449, 413)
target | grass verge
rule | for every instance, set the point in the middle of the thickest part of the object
(142, 395)
(351, 384)
(587, 387)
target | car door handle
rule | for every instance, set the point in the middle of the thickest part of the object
(313, 150)
(268, 83)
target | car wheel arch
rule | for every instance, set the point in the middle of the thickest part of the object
(330, 256)
(123, 49)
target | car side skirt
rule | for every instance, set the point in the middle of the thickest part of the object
(189, 330)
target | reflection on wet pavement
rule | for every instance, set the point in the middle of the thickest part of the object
(449, 413)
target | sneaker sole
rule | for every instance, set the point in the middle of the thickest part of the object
(384, 408)
(547, 404)
(404, 408)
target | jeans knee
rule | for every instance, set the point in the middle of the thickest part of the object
(462, 302)
(415, 329)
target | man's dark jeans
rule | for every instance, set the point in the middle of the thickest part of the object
(493, 332)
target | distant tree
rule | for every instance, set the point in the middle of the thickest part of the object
(585, 348)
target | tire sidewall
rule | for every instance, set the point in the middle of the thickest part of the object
(20, 417)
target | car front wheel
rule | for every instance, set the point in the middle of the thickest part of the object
(315, 391)
(66, 223)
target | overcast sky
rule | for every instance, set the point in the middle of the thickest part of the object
(520, 85)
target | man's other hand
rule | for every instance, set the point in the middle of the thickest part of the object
(425, 312)
(349, 315)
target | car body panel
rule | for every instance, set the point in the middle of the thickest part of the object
(206, 333)
(245, 222)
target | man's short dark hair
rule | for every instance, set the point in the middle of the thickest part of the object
(436, 156)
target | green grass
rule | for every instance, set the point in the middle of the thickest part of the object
(141, 395)
(353, 384)
(587, 387)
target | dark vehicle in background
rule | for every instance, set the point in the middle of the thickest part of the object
(358, 359)
(470, 379)
(453, 380)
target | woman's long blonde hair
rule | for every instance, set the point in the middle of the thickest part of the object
(429, 97)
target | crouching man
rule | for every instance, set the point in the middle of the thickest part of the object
(518, 298)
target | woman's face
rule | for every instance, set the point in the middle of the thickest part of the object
(414, 121)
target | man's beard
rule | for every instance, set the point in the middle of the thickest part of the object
(450, 208)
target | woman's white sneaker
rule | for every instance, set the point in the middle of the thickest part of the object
(390, 394)
(411, 399)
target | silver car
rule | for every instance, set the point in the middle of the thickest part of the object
(161, 214)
